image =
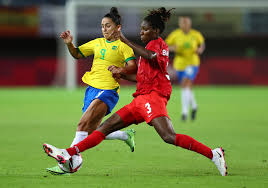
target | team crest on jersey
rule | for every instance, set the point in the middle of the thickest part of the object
(114, 47)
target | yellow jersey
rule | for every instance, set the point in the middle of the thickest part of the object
(106, 53)
(186, 46)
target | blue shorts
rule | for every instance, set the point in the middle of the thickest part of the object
(109, 97)
(190, 72)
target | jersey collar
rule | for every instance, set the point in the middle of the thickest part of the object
(111, 41)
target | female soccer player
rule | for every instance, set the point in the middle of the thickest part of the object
(187, 44)
(101, 95)
(150, 99)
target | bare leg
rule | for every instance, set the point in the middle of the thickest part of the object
(93, 116)
(112, 124)
(164, 128)
(91, 119)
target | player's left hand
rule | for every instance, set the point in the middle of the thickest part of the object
(116, 71)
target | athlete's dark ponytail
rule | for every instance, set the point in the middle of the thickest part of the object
(114, 15)
(157, 18)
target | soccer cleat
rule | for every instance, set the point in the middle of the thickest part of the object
(131, 141)
(193, 115)
(56, 170)
(61, 155)
(219, 161)
(183, 117)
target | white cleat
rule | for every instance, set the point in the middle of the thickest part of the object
(61, 155)
(219, 161)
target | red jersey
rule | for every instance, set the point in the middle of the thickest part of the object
(152, 75)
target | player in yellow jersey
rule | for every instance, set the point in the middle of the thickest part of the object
(187, 44)
(101, 95)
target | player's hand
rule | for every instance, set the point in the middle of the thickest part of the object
(122, 37)
(199, 51)
(115, 33)
(173, 48)
(116, 71)
(66, 36)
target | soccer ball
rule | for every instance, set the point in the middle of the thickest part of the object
(73, 165)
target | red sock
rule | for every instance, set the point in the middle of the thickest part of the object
(92, 140)
(189, 143)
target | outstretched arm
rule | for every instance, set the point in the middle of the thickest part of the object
(141, 51)
(67, 39)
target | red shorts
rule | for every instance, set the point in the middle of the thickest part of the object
(144, 108)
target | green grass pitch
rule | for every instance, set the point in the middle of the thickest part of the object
(235, 118)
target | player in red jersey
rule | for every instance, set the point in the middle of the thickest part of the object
(150, 99)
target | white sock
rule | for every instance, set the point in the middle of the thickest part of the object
(185, 100)
(120, 135)
(192, 100)
(79, 136)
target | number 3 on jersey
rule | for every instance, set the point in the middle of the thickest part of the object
(102, 53)
(148, 106)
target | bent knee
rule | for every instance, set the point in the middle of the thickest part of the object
(169, 139)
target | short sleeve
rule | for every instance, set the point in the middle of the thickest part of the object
(153, 46)
(162, 53)
(128, 53)
(87, 49)
(170, 40)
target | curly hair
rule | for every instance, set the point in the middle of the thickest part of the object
(114, 15)
(157, 18)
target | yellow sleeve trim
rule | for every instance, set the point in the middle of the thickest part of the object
(130, 58)
(80, 52)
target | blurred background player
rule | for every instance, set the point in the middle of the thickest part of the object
(150, 99)
(101, 95)
(187, 44)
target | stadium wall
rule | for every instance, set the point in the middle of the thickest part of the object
(43, 71)
(226, 61)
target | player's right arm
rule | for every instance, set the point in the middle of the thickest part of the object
(68, 40)
(139, 50)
